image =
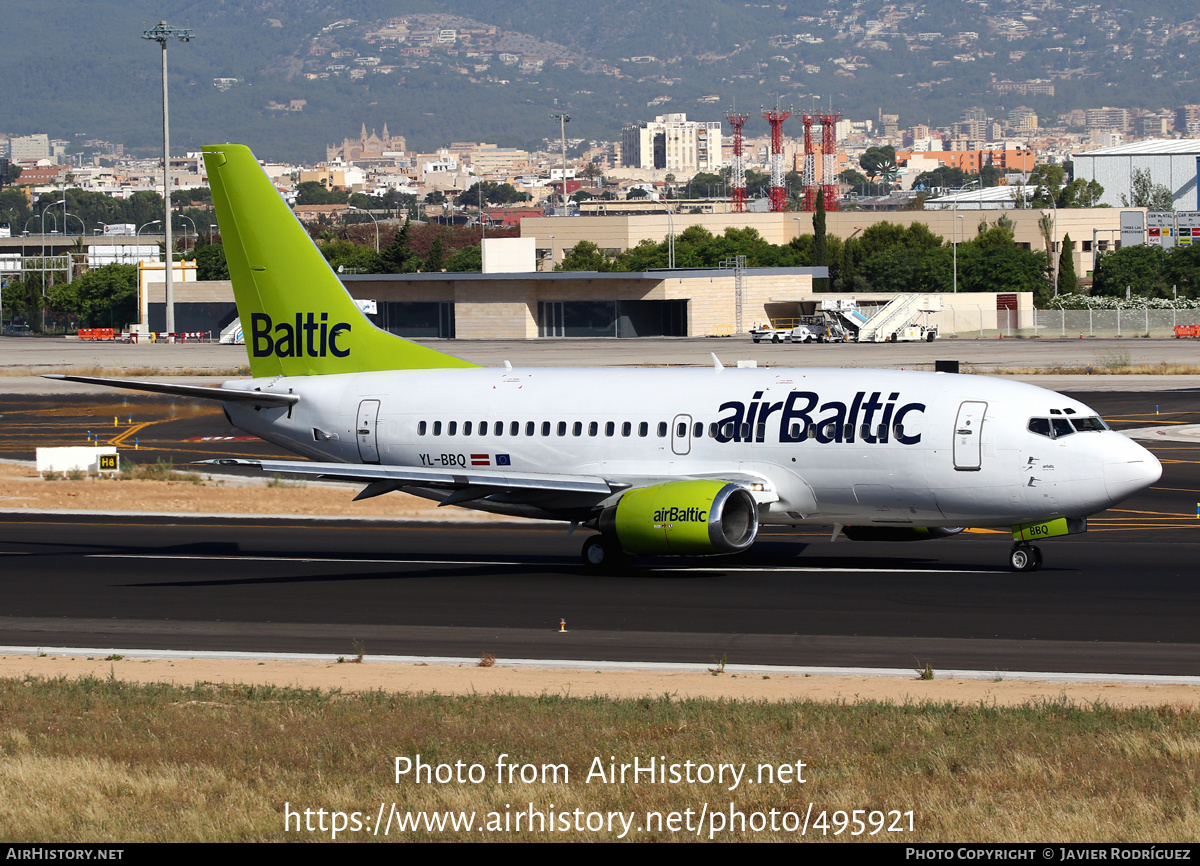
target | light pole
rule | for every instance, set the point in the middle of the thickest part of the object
(368, 213)
(1054, 251)
(163, 33)
(194, 232)
(562, 123)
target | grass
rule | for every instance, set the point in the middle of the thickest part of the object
(1108, 364)
(92, 758)
(160, 470)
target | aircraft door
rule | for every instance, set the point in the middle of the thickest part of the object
(968, 433)
(681, 434)
(366, 428)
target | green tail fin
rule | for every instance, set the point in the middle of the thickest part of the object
(298, 318)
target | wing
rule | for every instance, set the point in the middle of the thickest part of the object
(464, 485)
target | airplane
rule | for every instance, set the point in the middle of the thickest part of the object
(684, 462)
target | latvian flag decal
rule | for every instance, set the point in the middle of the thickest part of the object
(481, 460)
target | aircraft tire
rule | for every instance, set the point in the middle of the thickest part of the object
(604, 555)
(1025, 557)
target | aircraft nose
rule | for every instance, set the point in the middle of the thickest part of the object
(1129, 468)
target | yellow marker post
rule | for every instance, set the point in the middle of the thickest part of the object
(562, 623)
(115, 424)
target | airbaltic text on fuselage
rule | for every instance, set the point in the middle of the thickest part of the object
(308, 337)
(802, 416)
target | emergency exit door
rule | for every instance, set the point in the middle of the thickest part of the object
(368, 421)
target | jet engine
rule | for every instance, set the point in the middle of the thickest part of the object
(683, 517)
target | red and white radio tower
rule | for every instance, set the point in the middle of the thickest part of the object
(776, 117)
(810, 166)
(829, 189)
(737, 180)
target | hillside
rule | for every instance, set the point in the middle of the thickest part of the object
(82, 69)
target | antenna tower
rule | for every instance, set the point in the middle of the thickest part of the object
(829, 189)
(776, 117)
(737, 180)
(810, 167)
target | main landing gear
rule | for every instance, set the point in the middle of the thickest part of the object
(603, 554)
(1025, 557)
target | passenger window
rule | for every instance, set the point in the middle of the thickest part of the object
(498, 428)
(712, 430)
(1062, 427)
(483, 425)
(795, 432)
(609, 428)
(577, 428)
(727, 429)
(745, 432)
(1040, 426)
(697, 430)
(593, 426)
(681, 429)
(545, 428)
(514, 429)
(643, 429)
(529, 428)
(437, 428)
(898, 431)
(420, 428)
(451, 428)
(467, 428)
(626, 428)
(562, 428)
(662, 429)
(760, 431)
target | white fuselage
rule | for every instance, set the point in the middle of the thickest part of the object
(853, 447)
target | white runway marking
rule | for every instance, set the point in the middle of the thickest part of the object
(648, 570)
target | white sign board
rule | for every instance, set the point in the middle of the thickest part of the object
(1187, 228)
(75, 459)
(1133, 228)
(367, 305)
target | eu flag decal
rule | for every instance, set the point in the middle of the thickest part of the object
(502, 460)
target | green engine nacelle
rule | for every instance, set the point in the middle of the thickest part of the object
(899, 533)
(683, 518)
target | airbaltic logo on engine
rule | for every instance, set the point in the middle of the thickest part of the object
(308, 337)
(866, 419)
(680, 515)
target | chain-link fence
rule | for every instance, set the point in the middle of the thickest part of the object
(1110, 323)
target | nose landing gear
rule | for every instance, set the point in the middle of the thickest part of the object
(1025, 557)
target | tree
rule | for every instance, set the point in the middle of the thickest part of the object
(11, 175)
(820, 249)
(638, 192)
(878, 160)
(1047, 182)
(105, 296)
(1068, 283)
(436, 259)
(468, 259)
(586, 256)
(1145, 193)
(1081, 193)
(1140, 268)
(397, 257)
(945, 176)
(314, 192)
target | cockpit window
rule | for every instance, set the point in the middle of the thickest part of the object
(1084, 425)
(1062, 427)
(1041, 426)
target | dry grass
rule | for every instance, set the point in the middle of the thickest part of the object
(96, 759)
(1101, 368)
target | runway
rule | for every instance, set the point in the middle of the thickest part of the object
(1120, 599)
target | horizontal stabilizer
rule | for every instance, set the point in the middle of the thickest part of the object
(201, 392)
